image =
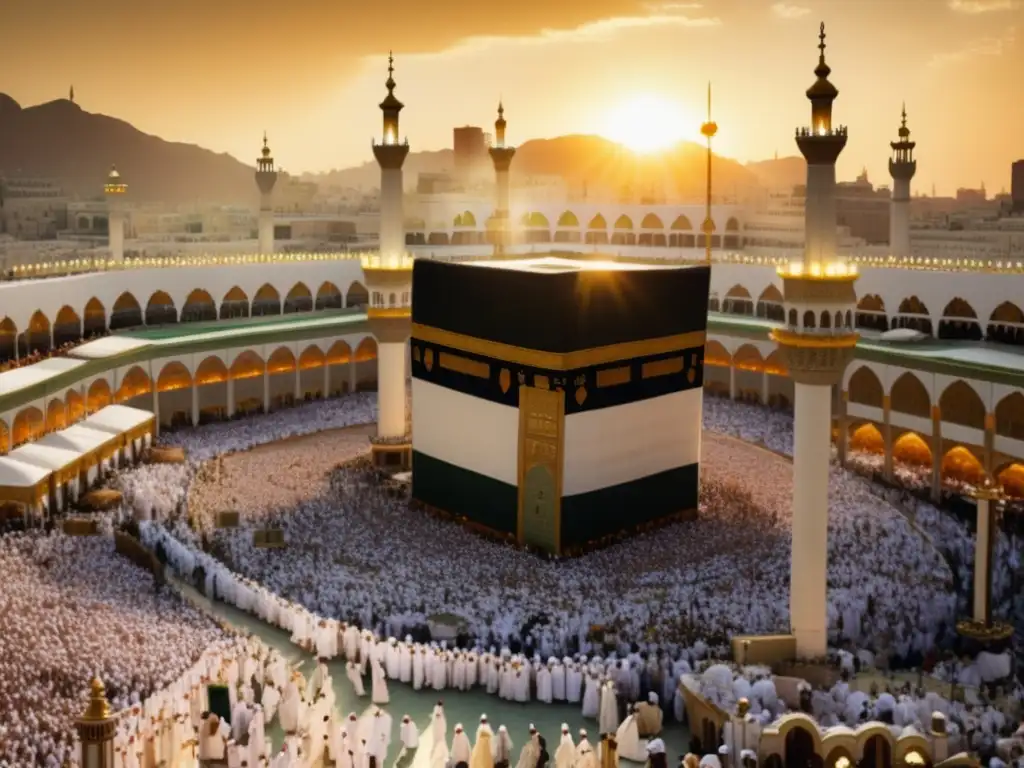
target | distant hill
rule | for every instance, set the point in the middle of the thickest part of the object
(583, 160)
(59, 140)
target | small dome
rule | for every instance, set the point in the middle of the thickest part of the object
(113, 175)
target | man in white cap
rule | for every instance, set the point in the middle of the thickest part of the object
(461, 752)
(503, 748)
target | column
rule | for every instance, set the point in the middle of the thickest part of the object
(990, 443)
(266, 391)
(765, 389)
(843, 443)
(156, 410)
(115, 228)
(936, 447)
(231, 397)
(391, 390)
(327, 380)
(298, 383)
(982, 562)
(899, 221)
(887, 434)
(195, 404)
(732, 381)
(353, 378)
(811, 443)
(392, 224)
(266, 224)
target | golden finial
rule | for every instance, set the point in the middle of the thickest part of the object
(904, 115)
(822, 70)
(98, 708)
(391, 71)
(821, 40)
(501, 109)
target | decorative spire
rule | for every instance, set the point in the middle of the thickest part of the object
(822, 70)
(71, 95)
(266, 149)
(98, 708)
(391, 72)
(904, 131)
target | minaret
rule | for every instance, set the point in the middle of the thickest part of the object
(501, 156)
(902, 167)
(389, 280)
(114, 191)
(266, 178)
(708, 130)
(96, 728)
(817, 344)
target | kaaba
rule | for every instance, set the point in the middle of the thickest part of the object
(557, 400)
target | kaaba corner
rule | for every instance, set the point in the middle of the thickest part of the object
(557, 401)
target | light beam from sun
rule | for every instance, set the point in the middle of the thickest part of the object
(648, 123)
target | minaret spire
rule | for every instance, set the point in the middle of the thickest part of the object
(708, 130)
(501, 155)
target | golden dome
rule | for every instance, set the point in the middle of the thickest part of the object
(114, 176)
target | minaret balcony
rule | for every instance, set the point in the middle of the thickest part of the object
(115, 189)
(822, 132)
(826, 271)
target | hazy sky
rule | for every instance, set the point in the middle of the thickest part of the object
(311, 72)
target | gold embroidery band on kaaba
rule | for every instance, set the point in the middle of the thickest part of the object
(558, 361)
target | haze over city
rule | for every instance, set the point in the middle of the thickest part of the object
(311, 74)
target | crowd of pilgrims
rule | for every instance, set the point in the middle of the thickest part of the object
(665, 601)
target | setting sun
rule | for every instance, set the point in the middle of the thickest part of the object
(648, 123)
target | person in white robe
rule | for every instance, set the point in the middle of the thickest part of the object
(354, 677)
(557, 680)
(521, 685)
(565, 755)
(592, 697)
(608, 716)
(627, 737)
(573, 683)
(379, 683)
(439, 727)
(484, 726)
(530, 752)
(461, 752)
(380, 738)
(544, 683)
(502, 748)
(583, 745)
(587, 758)
(408, 734)
(289, 711)
(419, 663)
(482, 755)
(405, 651)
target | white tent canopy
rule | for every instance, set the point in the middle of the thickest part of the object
(76, 438)
(44, 456)
(15, 474)
(117, 419)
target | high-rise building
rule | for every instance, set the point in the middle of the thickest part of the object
(1017, 186)
(470, 145)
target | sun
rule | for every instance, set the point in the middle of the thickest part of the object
(648, 123)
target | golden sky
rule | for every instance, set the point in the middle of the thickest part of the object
(311, 72)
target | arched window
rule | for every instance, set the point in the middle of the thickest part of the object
(792, 317)
(808, 319)
(392, 300)
(826, 319)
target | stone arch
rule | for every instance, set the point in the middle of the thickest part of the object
(37, 337)
(75, 404)
(311, 357)
(94, 320)
(267, 301)
(211, 370)
(340, 353)
(8, 339)
(913, 313)
(198, 307)
(871, 313)
(281, 360)
(738, 301)
(247, 365)
(56, 415)
(960, 404)
(597, 223)
(366, 351)
(357, 295)
(775, 364)
(1006, 324)
(126, 312)
(5, 437)
(865, 388)
(800, 747)
(652, 221)
(716, 354)
(1009, 415)
(770, 304)
(160, 309)
(682, 224)
(29, 424)
(912, 449)
(910, 396)
(876, 751)
(97, 396)
(732, 225)
(299, 299)
(568, 219)
(748, 358)
(959, 321)
(173, 376)
(623, 222)
(536, 219)
(134, 383)
(839, 757)
(234, 304)
(67, 326)
(329, 297)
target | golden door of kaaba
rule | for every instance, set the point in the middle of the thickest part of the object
(541, 427)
